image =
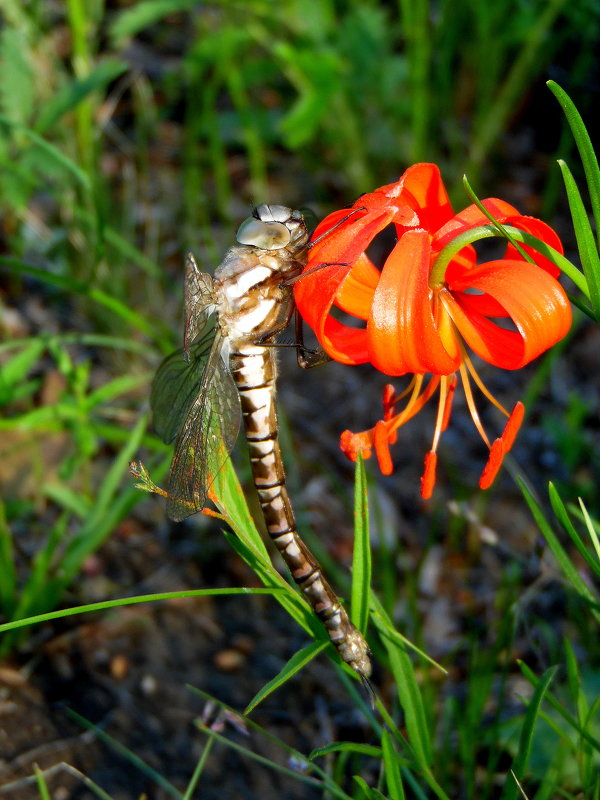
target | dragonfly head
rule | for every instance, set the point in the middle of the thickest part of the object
(273, 227)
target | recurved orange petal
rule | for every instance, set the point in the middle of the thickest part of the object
(421, 187)
(355, 293)
(402, 332)
(535, 302)
(541, 231)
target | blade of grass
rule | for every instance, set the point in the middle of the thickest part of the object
(289, 598)
(131, 757)
(361, 560)
(294, 665)
(386, 628)
(591, 528)
(323, 784)
(564, 562)
(191, 787)
(585, 147)
(586, 243)
(367, 792)
(8, 582)
(41, 783)
(562, 515)
(103, 605)
(122, 310)
(15, 369)
(391, 762)
(70, 96)
(575, 687)
(144, 14)
(81, 176)
(84, 339)
(347, 747)
(511, 786)
(559, 708)
(522, 68)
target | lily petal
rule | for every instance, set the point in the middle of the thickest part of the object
(402, 331)
(534, 301)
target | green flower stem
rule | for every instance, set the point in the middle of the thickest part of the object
(438, 272)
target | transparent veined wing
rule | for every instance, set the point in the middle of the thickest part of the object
(178, 381)
(194, 400)
(199, 300)
(205, 440)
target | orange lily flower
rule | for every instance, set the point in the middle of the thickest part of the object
(428, 303)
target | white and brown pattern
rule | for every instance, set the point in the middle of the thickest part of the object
(253, 299)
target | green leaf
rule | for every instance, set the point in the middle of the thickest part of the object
(8, 576)
(121, 385)
(407, 687)
(511, 788)
(317, 77)
(564, 562)
(294, 665)
(391, 762)
(387, 629)
(232, 503)
(103, 605)
(17, 83)
(347, 747)
(366, 789)
(562, 515)
(41, 783)
(559, 708)
(574, 681)
(68, 499)
(591, 529)
(127, 754)
(53, 153)
(71, 95)
(14, 371)
(585, 147)
(144, 14)
(109, 508)
(586, 244)
(96, 295)
(361, 561)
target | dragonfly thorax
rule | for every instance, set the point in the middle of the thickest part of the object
(253, 300)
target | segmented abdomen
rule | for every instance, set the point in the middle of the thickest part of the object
(254, 373)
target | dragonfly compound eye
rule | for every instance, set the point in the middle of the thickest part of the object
(266, 235)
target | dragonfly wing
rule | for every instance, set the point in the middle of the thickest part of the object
(177, 383)
(206, 438)
(200, 300)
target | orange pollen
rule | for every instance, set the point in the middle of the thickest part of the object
(428, 477)
(381, 440)
(509, 434)
(493, 465)
(352, 444)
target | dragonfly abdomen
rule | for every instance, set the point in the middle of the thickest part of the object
(254, 375)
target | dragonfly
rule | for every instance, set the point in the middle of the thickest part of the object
(226, 372)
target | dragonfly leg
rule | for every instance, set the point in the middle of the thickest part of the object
(307, 358)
